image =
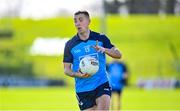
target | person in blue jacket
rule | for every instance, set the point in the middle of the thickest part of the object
(117, 73)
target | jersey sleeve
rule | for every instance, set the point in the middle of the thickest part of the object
(67, 54)
(107, 43)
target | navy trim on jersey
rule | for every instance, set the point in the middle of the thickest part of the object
(68, 57)
(76, 49)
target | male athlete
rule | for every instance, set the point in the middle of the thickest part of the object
(93, 92)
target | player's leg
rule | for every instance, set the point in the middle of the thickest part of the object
(103, 102)
(86, 100)
(112, 101)
(103, 97)
(90, 109)
(119, 100)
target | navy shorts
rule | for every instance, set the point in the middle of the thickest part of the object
(88, 99)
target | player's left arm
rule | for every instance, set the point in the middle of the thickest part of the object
(112, 52)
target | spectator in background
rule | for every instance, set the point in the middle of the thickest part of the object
(118, 79)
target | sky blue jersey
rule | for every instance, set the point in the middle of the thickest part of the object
(76, 49)
(116, 70)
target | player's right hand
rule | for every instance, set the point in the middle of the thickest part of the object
(85, 75)
(79, 74)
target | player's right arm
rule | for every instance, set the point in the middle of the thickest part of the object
(68, 71)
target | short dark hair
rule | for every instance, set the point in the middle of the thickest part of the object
(82, 12)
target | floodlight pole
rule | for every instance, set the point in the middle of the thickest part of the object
(163, 8)
(177, 8)
(103, 18)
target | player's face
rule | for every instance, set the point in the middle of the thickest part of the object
(81, 22)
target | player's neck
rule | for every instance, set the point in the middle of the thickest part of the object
(84, 35)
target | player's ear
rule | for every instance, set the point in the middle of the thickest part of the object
(89, 21)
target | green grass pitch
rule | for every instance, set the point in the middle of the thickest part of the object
(143, 40)
(63, 98)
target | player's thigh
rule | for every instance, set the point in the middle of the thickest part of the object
(103, 95)
(103, 102)
(86, 100)
(90, 109)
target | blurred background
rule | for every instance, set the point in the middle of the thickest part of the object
(32, 38)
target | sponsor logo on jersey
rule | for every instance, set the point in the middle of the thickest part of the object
(77, 51)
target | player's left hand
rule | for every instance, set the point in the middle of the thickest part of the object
(99, 48)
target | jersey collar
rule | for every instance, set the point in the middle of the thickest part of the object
(90, 35)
